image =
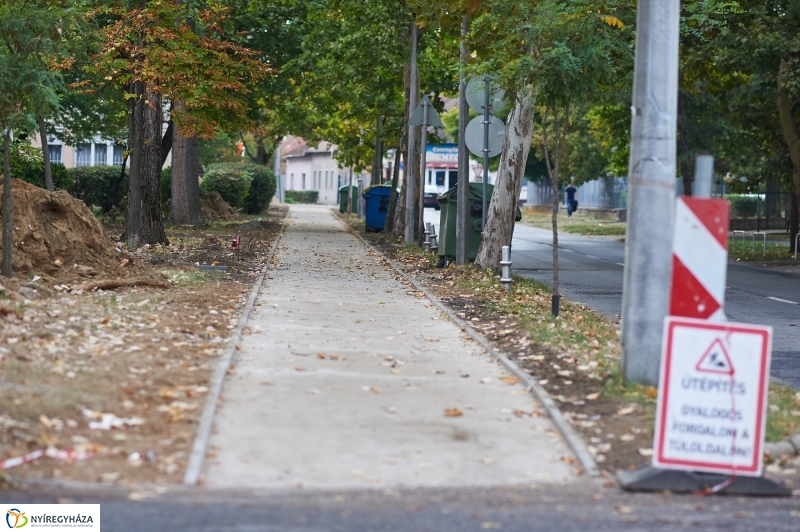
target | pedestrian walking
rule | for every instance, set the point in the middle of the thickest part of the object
(572, 199)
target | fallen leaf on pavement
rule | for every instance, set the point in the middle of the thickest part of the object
(453, 412)
(510, 379)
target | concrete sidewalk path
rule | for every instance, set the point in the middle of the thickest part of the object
(345, 377)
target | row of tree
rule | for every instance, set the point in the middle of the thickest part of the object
(156, 75)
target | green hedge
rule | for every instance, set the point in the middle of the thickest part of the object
(262, 189)
(103, 186)
(302, 196)
(743, 206)
(166, 188)
(231, 180)
(35, 176)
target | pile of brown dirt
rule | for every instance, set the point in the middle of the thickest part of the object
(215, 208)
(55, 233)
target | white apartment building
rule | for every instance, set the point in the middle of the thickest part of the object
(312, 168)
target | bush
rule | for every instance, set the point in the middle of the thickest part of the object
(302, 196)
(743, 206)
(262, 189)
(35, 176)
(103, 186)
(230, 180)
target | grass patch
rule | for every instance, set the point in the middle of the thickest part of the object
(749, 252)
(188, 278)
(588, 338)
(582, 223)
(783, 414)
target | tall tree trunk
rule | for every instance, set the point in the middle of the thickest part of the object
(389, 225)
(399, 223)
(786, 110)
(185, 186)
(135, 134)
(794, 218)
(683, 149)
(151, 222)
(48, 174)
(8, 207)
(687, 175)
(377, 171)
(503, 207)
(261, 154)
(412, 169)
(554, 170)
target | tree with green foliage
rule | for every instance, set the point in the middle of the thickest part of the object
(182, 52)
(30, 34)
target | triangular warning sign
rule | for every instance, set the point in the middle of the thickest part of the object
(417, 116)
(716, 360)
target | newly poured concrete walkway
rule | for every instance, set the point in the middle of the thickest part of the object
(345, 378)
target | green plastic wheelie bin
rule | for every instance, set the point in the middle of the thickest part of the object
(343, 199)
(447, 221)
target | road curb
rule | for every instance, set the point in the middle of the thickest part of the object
(789, 446)
(200, 445)
(575, 442)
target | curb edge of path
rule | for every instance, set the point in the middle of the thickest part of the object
(575, 442)
(206, 421)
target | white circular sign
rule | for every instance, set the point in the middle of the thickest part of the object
(476, 95)
(473, 136)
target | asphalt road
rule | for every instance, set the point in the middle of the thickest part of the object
(590, 272)
(586, 506)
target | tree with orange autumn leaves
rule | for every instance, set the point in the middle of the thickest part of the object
(180, 55)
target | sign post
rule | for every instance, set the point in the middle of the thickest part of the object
(485, 98)
(712, 404)
(714, 375)
(424, 115)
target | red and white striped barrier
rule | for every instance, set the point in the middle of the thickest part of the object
(58, 454)
(699, 259)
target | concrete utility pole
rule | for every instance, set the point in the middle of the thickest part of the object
(408, 178)
(462, 195)
(651, 185)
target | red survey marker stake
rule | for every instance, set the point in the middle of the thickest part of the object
(712, 399)
(699, 258)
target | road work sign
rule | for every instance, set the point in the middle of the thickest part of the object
(712, 397)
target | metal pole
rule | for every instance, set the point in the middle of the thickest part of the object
(462, 194)
(486, 123)
(703, 176)
(350, 193)
(648, 243)
(408, 176)
(360, 202)
(423, 152)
